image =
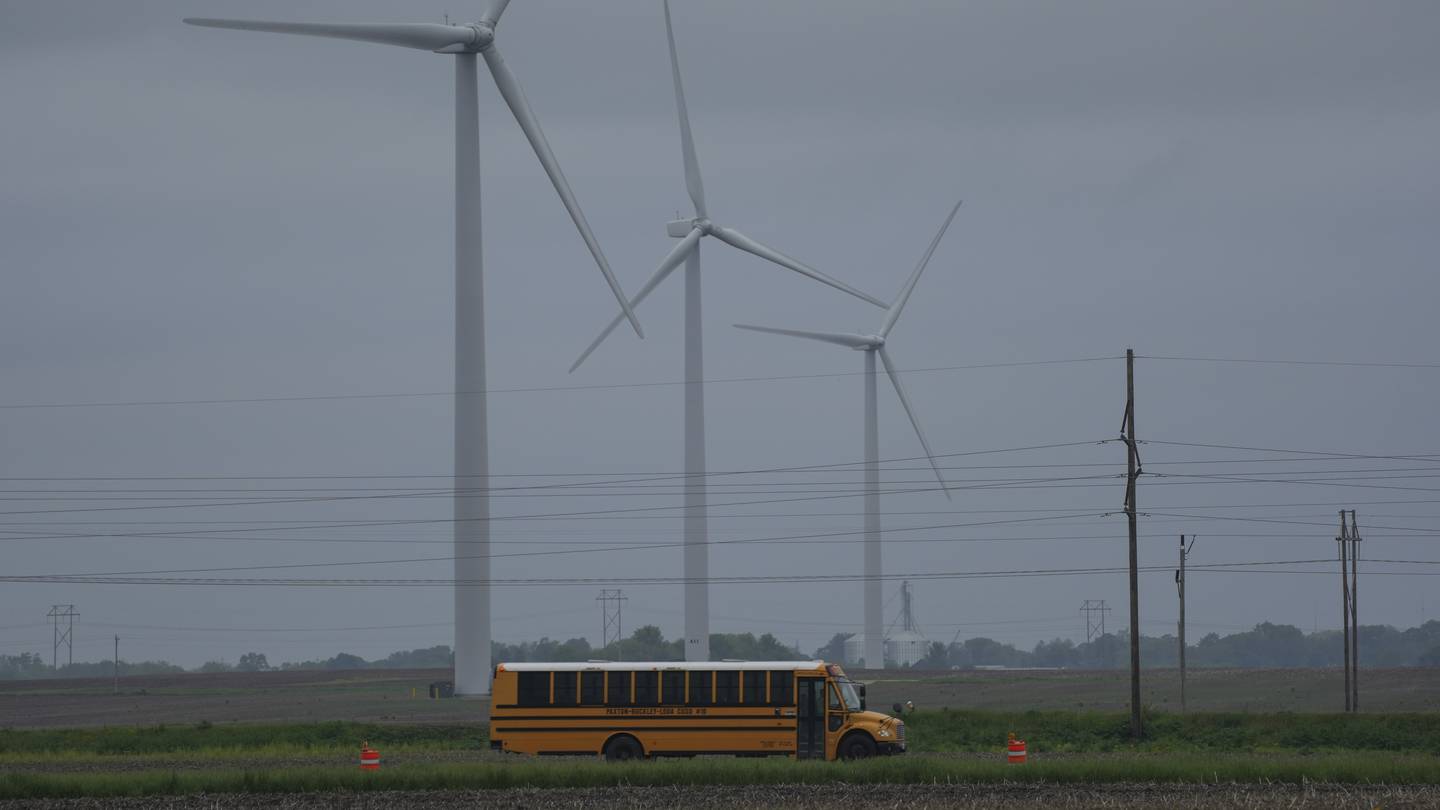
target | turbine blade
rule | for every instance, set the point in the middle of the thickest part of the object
(492, 14)
(672, 260)
(839, 338)
(424, 36)
(515, 97)
(893, 314)
(687, 139)
(739, 240)
(914, 422)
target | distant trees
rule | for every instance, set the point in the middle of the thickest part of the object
(22, 666)
(1266, 645)
(834, 649)
(427, 658)
(937, 657)
(253, 662)
(646, 643)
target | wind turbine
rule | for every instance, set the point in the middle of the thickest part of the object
(873, 345)
(690, 232)
(472, 464)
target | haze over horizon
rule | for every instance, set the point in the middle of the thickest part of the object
(250, 236)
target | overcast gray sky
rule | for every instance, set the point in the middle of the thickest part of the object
(191, 214)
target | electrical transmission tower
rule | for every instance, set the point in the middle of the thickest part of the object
(62, 619)
(1094, 610)
(611, 603)
(907, 609)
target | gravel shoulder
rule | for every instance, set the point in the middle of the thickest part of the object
(1050, 797)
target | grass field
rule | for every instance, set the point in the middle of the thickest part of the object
(385, 696)
(936, 731)
(1367, 768)
(197, 737)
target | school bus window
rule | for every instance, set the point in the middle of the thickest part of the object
(727, 688)
(565, 688)
(700, 683)
(619, 689)
(672, 688)
(782, 687)
(754, 683)
(533, 689)
(647, 688)
(835, 704)
(592, 688)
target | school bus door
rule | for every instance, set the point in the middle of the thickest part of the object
(810, 718)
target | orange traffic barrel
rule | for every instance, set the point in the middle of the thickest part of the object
(369, 758)
(1016, 754)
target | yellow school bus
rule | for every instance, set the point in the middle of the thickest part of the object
(799, 709)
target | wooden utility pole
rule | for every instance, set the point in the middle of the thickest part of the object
(1354, 615)
(1133, 468)
(1345, 599)
(1180, 586)
(117, 663)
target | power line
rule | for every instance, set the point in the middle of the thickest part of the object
(1248, 567)
(839, 467)
(646, 547)
(1268, 362)
(276, 501)
(528, 389)
(1331, 453)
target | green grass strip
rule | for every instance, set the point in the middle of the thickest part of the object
(330, 737)
(959, 730)
(1349, 769)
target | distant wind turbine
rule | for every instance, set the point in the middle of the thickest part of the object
(690, 232)
(472, 465)
(874, 345)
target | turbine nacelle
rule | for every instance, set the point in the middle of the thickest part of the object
(681, 228)
(876, 343)
(460, 40)
(482, 37)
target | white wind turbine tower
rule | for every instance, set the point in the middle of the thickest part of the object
(690, 231)
(873, 345)
(472, 465)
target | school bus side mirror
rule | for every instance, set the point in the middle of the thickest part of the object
(862, 697)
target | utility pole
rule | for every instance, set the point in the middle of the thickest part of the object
(1354, 615)
(1345, 598)
(1180, 586)
(62, 634)
(117, 663)
(1132, 463)
(611, 630)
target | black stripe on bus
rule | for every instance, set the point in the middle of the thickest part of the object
(633, 717)
(654, 706)
(607, 729)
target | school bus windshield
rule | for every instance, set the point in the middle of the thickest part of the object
(849, 694)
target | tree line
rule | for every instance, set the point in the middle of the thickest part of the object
(1279, 646)
(1267, 645)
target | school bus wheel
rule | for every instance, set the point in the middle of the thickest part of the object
(622, 748)
(857, 745)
